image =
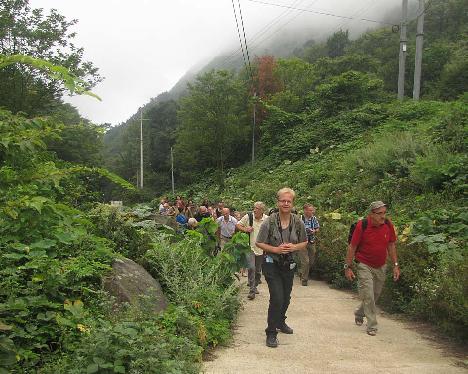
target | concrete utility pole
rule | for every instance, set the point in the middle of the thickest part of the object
(419, 51)
(253, 128)
(172, 171)
(402, 60)
(141, 147)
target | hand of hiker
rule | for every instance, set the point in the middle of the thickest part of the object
(287, 247)
(396, 273)
(349, 274)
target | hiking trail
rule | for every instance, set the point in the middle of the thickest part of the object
(326, 340)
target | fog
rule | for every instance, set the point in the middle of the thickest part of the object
(142, 48)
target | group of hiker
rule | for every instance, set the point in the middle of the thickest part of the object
(284, 242)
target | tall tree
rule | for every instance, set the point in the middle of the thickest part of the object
(337, 43)
(30, 32)
(213, 129)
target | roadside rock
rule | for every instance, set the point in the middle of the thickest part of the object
(131, 283)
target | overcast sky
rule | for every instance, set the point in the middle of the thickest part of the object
(143, 47)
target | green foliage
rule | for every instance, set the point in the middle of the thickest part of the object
(115, 225)
(212, 128)
(134, 342)
(337, 43)
(55, 72)
(347, 91)
(28, 35)
(197, 281)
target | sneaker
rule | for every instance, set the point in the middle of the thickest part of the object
(251, 295)
(358, 320)
(372, 332)
(271, 341)
(304, 282)
(285, 329)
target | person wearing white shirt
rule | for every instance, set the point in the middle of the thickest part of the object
(226, 227)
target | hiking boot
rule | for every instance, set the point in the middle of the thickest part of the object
(256, 292)
(251, 295)
(271, 341)
(358, 320)
(304, 282)
(285, 329)
(372, 332)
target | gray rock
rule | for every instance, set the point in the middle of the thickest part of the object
(131, 283)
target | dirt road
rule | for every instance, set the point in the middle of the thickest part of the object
(326, 340)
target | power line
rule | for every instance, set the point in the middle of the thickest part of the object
(263, 31)
(258, 34)
(238, 32)
(245, 41)
(320, 13)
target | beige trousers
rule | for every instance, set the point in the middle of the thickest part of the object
(370, 284)
(306, 260)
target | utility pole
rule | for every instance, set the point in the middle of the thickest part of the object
(419, 51)
(253, 128)
(141, 147)
(402, 60)
(172, 171)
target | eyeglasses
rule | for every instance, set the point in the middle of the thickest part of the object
(285, 202)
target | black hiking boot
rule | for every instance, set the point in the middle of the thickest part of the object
(251, 295)
(285, 329)
(271, 341)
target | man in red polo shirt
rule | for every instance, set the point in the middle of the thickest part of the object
(369, 246)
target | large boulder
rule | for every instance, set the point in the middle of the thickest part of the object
(131, 283)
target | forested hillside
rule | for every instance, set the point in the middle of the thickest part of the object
(328, 124)
(289, 84)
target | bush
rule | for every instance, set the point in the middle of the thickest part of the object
(132, 342)
(115, 225)
(201, 283)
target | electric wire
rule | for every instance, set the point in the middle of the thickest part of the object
(229, 59)
(320, 12)
(256, 45)
(238, 33)
(245, 41)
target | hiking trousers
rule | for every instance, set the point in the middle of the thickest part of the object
(280, 282)
(306, 260)
(254, 271)
(370, 284)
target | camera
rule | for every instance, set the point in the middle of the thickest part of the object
(286, 261)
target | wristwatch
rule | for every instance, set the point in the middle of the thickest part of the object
(395, 264)
(346, 266)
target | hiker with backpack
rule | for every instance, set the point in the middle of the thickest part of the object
(370, 241)
(281, 234)
(250, 224)
(307, 257)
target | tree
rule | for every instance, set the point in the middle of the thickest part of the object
(29, 32)
(337, 43)
(347, 91)
(213, 131)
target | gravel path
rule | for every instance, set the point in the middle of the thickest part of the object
(326, 340)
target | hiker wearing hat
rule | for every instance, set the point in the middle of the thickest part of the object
(373, 238)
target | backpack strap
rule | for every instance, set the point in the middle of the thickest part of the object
(250, 218)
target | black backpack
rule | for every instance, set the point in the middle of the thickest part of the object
(364, 226)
